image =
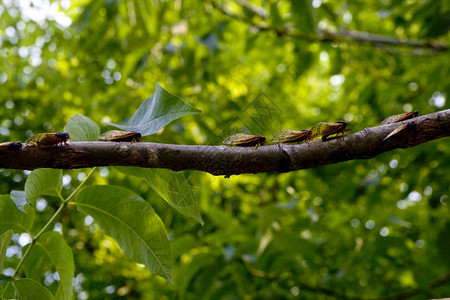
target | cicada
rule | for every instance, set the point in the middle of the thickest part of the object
(120, 136)
(9, 147)
(411, 126)
(290, 136)
(244, 140)
(48, 139)
(400, 117)
(325, 129)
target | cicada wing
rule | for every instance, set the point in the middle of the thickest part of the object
(238, 138)
(326, 128)
(280, 136)
(399, 130)
(48, 139)
(109, 135)
(290, 136)
(390, 120)
(317, 130)
(333, 128)
(400, 117)
(244, 140)
(33, 139)
(120, 136)
(394, 132)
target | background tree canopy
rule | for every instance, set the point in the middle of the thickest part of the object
(360, 229)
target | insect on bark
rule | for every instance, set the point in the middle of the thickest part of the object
(325, 129)
(48, 139)
(10, 147)
(399, 135)
(244, 140)
(290, 136)
(120, 136)
(400, 117)
(408, 126)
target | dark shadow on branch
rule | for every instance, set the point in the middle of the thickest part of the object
(222, 160)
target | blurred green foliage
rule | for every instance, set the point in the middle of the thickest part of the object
(365, 229)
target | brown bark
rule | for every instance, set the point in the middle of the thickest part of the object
(222, 160)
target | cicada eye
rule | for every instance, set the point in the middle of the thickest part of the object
(62, 135)
(15, 146)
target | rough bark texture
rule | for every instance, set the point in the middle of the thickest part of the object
(222, 160)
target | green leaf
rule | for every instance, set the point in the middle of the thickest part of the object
(4, 278)
(52, 251)
(199, 263)
(172, 187)
(132, 222)
(43, 182)
(13, 219)
(157, 111)
(275, 18)
(19, 199)
(303, 15)
(132, 59)
(81, 128)
(4, 240)
(30, 289)
(211, 42)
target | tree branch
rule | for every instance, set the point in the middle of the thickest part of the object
(222, 160)
(342, 295)
(325, 36)
(409, 293)
(252, 8)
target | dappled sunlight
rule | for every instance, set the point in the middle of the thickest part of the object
(364, 228)
(437, 100)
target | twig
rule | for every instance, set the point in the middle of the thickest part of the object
(406, 294)
(326, 36)
(252, 8)
(222, 160)
(342, 295)
(397, 296)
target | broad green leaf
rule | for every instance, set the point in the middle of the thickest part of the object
(182, 245)
(303, 14)
(172, 187)
(14, 219)
(42, 182)
(52, 252)
(4, 240)
(157, 111)
(30, 289)
(19, 199)
(190, 271)
(132, 222)
(81, 128)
